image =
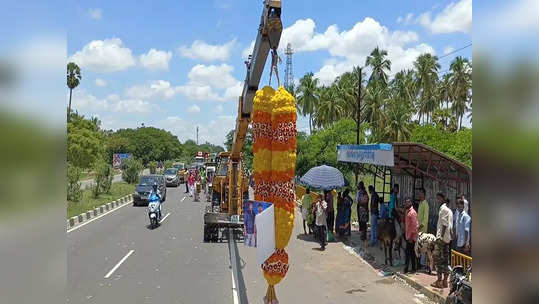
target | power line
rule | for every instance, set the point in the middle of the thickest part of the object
(453, 52)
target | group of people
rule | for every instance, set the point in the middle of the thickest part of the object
(319, 217)
(192, 178)
(453, 227)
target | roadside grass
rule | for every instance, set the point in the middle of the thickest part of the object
(90, 174)
(88, 202)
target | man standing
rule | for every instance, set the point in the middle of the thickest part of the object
(328, 197)
(462, 228)
(374, 215)
(249, 229)
(411, 225)
(320, 212)
(443, 238)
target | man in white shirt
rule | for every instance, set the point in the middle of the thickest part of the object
(320, 213)
(443, 238)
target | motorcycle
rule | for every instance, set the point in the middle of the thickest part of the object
(461, 287)
(154, 212)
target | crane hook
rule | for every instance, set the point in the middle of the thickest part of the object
(274, 60)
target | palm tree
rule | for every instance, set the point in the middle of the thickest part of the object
(426, 66)
(403, 87)
(73, 80)
(308, 96)
(330, 108)
(381, 66)
(398, 127)
(375, 101)
(461, 86)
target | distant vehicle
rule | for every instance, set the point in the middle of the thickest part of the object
(172, 178)
(142, 191)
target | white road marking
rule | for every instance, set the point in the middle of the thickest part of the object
(119, 263)
(95, 218)
(183, 199)
(164, 218)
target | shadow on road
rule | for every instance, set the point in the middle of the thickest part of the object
(307, 238)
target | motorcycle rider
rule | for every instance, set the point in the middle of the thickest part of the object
(155, 196)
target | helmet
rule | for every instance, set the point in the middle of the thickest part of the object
(155, 186)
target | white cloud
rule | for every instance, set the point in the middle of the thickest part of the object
(514, 16)
(351, 47)
(217, 76)
(100, 82)
(448, 49)
(456, 17)
(85, 101)
(206, 82)
(214, 132)
(405, 20)
(155, 59)
(207, 52)
(155, 90)
(95, 13)
(107, 55)
(193, 109)
(218, 109)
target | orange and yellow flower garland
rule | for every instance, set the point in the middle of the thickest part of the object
(274, 147)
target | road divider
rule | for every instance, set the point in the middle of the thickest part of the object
(119, 263)
(85, 218)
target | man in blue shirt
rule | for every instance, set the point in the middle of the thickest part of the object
(393, 200)
(462, 228)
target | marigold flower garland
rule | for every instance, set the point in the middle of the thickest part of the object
(274, 147)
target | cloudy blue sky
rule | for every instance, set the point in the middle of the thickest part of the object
(179, 64)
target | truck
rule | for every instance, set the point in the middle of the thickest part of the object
(230, 184)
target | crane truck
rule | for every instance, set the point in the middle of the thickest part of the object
(225, 210)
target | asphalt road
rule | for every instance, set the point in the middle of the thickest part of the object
(116, 178)
(118, 259)
(169, 264)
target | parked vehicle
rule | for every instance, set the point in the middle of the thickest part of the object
(461, 287)
(144, 187)
(172, 178)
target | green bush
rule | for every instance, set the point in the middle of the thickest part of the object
(153, 167)
(103, 178)
(74, 192)
(132, 171)
(168, 164)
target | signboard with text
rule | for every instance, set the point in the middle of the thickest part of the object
(119, 158)
(377, 154)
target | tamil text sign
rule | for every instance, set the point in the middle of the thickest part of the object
(378, 154)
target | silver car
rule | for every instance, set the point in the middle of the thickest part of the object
(171, 177)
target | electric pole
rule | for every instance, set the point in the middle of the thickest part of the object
(197, 135)
(358, 122)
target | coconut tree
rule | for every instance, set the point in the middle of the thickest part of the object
(330, 108)
(397, 126)
(73, 80)
(380, 65)
(461, 86)
(403, 87)
(308, 96)
(427, 67)
(375, 101)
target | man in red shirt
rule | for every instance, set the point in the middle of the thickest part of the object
(412, 226)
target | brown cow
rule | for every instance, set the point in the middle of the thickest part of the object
(386, 235)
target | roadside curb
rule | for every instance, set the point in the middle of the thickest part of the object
(83, 217)
(434, 296)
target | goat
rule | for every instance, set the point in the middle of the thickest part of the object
(425, 245)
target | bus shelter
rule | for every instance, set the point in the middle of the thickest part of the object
(412, 166)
